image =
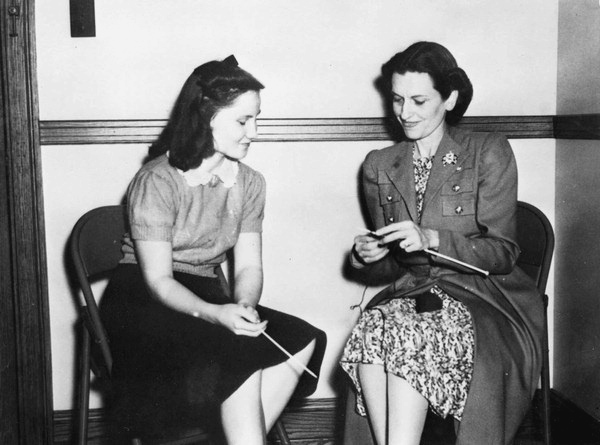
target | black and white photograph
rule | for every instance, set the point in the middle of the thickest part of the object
(321, 222)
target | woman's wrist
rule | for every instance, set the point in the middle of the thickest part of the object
(433, 238)
(207, 312)
(355, 260)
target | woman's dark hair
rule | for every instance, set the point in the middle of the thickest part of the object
(435, 60)
(188, 136)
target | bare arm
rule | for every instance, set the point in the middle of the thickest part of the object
(248, 269)
(155, 259)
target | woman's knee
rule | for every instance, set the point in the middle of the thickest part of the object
(305, 354)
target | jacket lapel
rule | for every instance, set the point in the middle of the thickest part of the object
(440, 173)
(401, 173)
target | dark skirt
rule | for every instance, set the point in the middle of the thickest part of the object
(172, 367)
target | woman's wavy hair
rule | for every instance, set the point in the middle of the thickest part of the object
(211, 87)
(435, 60)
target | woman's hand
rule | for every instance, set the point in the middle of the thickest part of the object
(241, 319)
(410, 237)
(368, 249)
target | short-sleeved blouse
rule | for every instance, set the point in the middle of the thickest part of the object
(201, 222)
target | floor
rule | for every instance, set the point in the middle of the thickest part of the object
(565, 429)
(322, 428)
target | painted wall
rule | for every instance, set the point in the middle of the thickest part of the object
(577, 306)
(317, 59)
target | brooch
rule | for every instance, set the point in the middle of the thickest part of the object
(449, 159)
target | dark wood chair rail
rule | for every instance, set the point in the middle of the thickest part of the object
(82, 132)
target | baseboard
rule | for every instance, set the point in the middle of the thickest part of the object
(320, 422)
(307, 422)
(64, 425)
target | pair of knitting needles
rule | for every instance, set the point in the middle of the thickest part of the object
(433, 252)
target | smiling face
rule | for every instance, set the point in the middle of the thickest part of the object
(418, 106)
(234, 127)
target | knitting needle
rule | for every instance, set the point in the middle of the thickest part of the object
(433, 252)
(294, 359)
(454, 260)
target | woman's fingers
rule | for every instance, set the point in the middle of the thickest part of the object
(249, 313)
(411, 245)
(377, 256)
(362, 239)
(241, 320)
(369, 249)
(249, 321)
(251, 329)
(396, 231)
(408, 235)
(372, 247)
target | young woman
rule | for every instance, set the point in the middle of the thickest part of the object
(442, 336)
(182, 347)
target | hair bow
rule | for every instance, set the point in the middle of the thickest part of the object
(231, 61)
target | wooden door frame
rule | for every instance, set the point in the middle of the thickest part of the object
(25, 372)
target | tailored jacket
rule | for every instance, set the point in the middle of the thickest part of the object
(471, 200)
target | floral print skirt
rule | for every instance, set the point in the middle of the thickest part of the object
(432, 351)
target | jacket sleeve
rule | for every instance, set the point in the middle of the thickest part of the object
(493, 247)
(387, 269)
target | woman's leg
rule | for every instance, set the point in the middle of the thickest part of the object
(279, 383)
(373, 380)
(407, 410)
(244, 420)
(242, 414)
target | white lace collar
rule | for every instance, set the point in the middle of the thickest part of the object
(225, 173)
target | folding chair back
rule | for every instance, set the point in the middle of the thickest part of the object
(95, 247)
(536, 240)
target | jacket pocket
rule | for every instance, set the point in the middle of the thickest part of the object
(458, 185)
(459, 205)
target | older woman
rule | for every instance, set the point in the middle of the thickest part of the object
(442, 336)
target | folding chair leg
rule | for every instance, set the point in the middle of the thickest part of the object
(282, 433)
(546, 413)
(546, 384)
(84, 388)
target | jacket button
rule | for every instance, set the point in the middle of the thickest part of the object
(455, 188)
(389, 197)
(391, 219)
(458, 210)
